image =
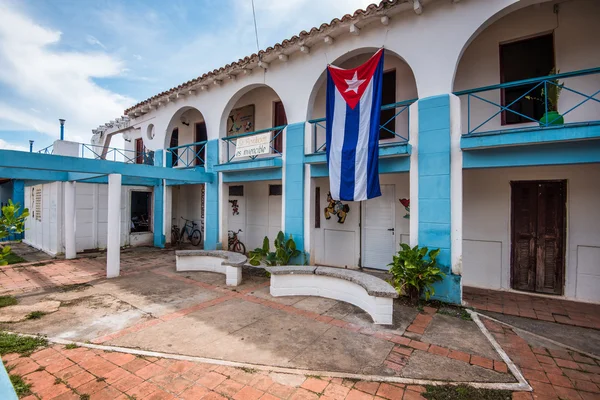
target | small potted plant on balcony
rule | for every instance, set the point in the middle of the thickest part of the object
(551, 91)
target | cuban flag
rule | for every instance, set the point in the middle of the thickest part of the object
(352, 129)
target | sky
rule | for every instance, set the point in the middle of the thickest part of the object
(88, 60)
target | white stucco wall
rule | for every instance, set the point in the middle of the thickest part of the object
(187, 203)
(91, 218)
(576, 31)
(339, 245)
(486, 226)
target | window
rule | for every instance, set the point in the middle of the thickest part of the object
(279, 119)
(141, 205)
(174, 143)
(525, 59)
(37, 202)
(388, 96)
(236, 190)
(275, 190)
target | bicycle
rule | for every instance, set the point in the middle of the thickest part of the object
(234, 242)
(194, 235)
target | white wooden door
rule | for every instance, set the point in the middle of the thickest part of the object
(378, 229)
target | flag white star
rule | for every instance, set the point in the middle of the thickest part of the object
(354, 83)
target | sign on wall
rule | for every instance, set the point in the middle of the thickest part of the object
(240, 120)
(252, 146)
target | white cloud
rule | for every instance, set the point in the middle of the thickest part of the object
(94, 42)
(59, 83)
(4, 145)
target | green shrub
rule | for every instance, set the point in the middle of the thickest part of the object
(12, 221)
(10, 343)
(22, 389)
(285, 250)
(414, 271)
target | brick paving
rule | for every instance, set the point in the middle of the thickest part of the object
(59, 373)
(536, 307)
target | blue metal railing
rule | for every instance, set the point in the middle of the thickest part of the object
(187, 155)
(535, 89)
(115, 154)
(47, 150)
(277, 130)
(318, 125)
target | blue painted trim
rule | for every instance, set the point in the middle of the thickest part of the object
(51, 162)
(386, 166)
(211, 211)
(434, 189)
(7, 392)
(32, 174)
(582, 152)
(125, 180)
(252, 176)
(259, 163)
(385, 150)
(571, 132)
(158, 211)
(18, 195)
(158, 158)
(294, 185)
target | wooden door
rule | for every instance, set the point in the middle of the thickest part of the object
(174, 142)
(538, 233)
(279, 119)
(200, 136)
(139, 151)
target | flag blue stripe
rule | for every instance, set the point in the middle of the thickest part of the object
(373, 188)
(349, 153)
(330, 107)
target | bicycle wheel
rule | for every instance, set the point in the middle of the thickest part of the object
(174, 237)
(239, 247)
(196, 237)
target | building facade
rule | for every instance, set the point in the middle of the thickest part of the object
(505, 188)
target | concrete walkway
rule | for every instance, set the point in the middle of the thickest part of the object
(153, 308)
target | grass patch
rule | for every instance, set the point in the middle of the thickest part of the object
(71, 346)
(455, 311)
(6, 301)
(10, 343)
(84, 397)
(73, 287)
(463, 392)
(21, 388)
(12, 258)
(35, 315)
(248, 370)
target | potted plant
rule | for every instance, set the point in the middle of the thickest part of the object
(551, 91)
(414, 272)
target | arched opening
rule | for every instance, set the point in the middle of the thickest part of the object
(399, 91)
(185, 144)
(369, 234)
(252, 128)
(509, 213)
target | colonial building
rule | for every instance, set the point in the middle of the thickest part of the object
(504, 186)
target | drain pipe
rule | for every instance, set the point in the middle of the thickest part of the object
(31, 146)
(62, 129)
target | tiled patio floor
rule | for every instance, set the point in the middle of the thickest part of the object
(543, 308)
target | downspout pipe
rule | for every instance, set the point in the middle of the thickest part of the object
(62, 129)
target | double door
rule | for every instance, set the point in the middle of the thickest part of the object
(538, 234)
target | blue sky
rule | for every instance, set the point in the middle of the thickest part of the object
(86, 61)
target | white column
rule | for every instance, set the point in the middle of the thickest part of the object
(456, 186)
(414, 173)
(69, 215)
(113, 243)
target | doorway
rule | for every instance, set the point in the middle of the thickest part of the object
(378, 223)
(538, 235)
(279, 119)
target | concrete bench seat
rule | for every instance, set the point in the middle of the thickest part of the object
(220, 261)
(368, 292)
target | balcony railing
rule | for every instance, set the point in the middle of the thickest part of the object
(47, 150)
(498, 108)
(399, 133)
(187, 155)
(115, 154)
(275, 149)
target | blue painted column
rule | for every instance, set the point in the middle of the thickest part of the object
(18, 195)
(211, 210)
(294, 184)
(159, 211)
(434, 189)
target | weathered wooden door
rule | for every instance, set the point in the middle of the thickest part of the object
(279, 119)
(538, 233)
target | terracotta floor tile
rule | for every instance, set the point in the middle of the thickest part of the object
(143, 390)
(248, 393)
(229, 387)
(211, 380)
(118, 358)
(135, 365)
(149, 371)
(390, 392)
(194, 392)
(79, 379)
(303, 394)
(357, 395)
(315, 385)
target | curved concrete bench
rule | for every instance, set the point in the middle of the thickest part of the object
(220, 261)
(368, 292)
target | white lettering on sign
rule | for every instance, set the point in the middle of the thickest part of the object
(252, 146)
